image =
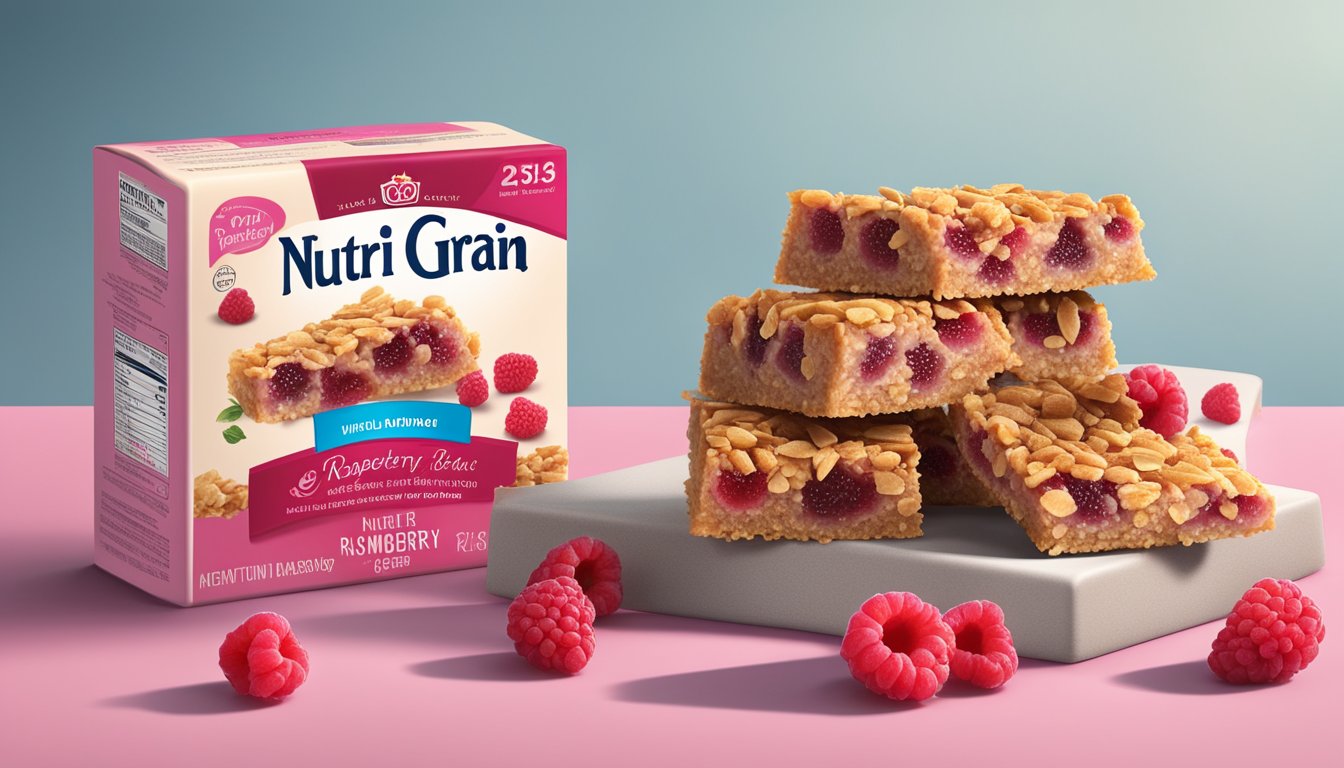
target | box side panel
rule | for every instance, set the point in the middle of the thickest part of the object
(141, 486)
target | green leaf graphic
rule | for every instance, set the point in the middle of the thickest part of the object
(234, 434)
(232, 413)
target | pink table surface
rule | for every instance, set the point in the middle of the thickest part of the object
(418, 670)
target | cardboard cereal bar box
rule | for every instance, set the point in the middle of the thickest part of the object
(318, 354)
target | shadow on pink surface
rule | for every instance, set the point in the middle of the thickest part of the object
(472, 625)
(500, 666)
(216, 698)
(1188, 678)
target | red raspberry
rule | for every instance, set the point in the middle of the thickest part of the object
(515, 372)
(1221, 404)
(525, 418)
(1229, 454)
(984, 656)
(262, 657)
(898, 646)
(237, 307)
(590, 562)
(1161, 398)
(1273, 632)
(551, 625)
(472, 389)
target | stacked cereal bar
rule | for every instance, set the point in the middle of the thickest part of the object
(779, 475)
(831, 413)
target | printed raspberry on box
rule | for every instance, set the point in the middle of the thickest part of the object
(284, 325)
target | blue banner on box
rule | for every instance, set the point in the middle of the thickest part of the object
(390, 420)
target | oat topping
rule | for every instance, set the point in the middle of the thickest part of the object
(879, 314)
(988, 213)
(547, 464)
(374, 319)
(793, 449)
(1093, 433)
(216, 496)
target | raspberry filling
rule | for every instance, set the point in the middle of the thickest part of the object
(1251, 508)
(877, 358)
(1095, 498)
(874, 241)
(740, 492)
(443, 349)
(841, 495)
(394, 355)
(1016, 240)
(925, 365)
(1119, 230)
(936, 461)
(789, 358)
(1038, 326)
(1070, 251)
(996, 271)
(960, 242)
(290, 382)
(341, 388)
(827, 234)
(753, 346)
(960, 332)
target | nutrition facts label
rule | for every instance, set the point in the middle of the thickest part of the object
(140, 401)
(144, 221)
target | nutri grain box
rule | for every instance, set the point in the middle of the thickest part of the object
(319, 353)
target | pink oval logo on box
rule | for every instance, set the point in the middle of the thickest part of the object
(242, 225)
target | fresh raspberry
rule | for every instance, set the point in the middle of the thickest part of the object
(898, 646)
(551, 625)
(237, 307)
(874, 241)
(515, 372)
(925, 366)
(525, 419)
(961, 331)
(262, 657)
(984, 655)
(1161, 398)
(1273, 632)
(828, 235)
(289, 382)
(840, 495)
(590, 562)
(1221, 404)
(789, 358)
(472, 389)
(740, 492)
(877, 357)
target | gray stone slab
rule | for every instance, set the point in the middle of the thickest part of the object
(1066, 608)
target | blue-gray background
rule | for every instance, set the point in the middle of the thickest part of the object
(687, 122)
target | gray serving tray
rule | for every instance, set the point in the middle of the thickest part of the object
(1065, 608)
